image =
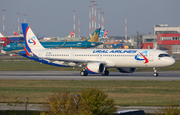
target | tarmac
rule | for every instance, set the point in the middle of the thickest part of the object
(75, 75)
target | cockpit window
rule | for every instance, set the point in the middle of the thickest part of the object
(164, 55)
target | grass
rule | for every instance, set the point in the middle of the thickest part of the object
(36, 66)
(125, 93)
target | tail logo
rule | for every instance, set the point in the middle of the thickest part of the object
(94, 38)
(142, 56)
(32, 40)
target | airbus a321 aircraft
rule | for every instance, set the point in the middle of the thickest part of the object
(94, 61)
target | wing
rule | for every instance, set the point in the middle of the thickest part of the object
(61, 61)
(71, 62)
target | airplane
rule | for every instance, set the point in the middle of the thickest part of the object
(94, 61)
(15, 33)
(90, 42)
(105, 34)
(71, 34)
(124, 47)
(1, 35)
(102, 33)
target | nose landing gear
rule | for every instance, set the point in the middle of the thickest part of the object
(155, 72)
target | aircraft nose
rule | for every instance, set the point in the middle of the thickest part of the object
(171, 61)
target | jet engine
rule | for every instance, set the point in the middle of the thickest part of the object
(126, 70)
(95, 67)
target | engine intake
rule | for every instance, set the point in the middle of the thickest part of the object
(95, 68)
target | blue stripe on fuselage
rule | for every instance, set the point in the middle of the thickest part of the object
(22, 53)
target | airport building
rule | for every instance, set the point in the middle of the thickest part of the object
(149, 42)
(165, 28)
(164, 38)
(136, 41)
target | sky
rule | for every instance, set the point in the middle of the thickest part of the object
(52, 18)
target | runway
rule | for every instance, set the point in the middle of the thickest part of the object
(74, 75)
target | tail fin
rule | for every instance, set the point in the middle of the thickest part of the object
(124, 46)
(1, 35)
(31, 41)
(102, 33)
(105, 34)
(94, 36)
(71, 34)
(16, 34)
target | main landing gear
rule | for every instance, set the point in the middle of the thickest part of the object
(84, 72)
(105, 73)
(155, 72)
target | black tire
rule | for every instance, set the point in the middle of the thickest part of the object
(86, 73)
(83, 73)
(105, 73)
(155, 74)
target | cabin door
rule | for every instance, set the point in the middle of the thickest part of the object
(151, 53)
(72, 55)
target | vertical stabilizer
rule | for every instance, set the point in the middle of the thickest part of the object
(105, 34)
(102, 33)
(94, 36)
(71, 34)
(31, 41)
(1, 35)
(16, 34)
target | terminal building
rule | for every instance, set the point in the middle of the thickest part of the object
(164, 28)
(164, 38)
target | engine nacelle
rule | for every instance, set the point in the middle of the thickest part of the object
(95, 68)
(126, 70)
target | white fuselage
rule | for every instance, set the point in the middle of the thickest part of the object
(111, 57)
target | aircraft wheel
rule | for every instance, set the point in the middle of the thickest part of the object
(83, 73)
(105, 73)
(156, 74)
